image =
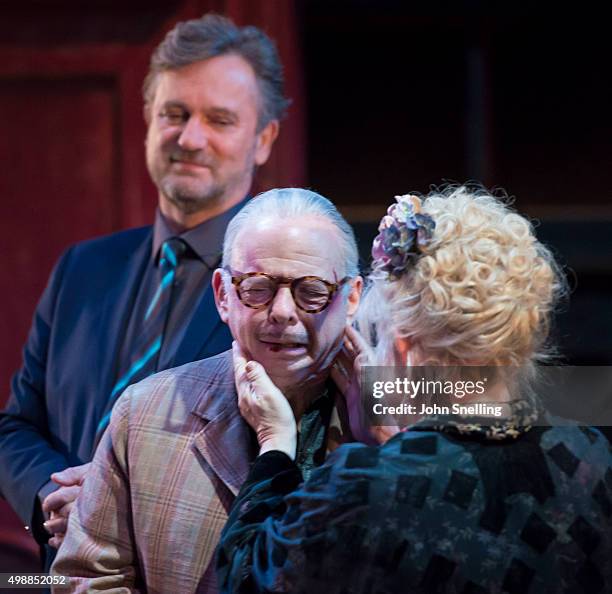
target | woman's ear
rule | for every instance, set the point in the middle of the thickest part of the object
(402, 352)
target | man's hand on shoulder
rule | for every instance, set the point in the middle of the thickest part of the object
(59, 503)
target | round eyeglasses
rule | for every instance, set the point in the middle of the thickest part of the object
(310, 293)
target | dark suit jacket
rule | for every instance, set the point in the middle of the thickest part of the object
(71, 360)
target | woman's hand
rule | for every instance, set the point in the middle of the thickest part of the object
(346, 373)
(263, 406)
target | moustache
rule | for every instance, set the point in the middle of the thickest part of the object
(301, 339)
(182, 157)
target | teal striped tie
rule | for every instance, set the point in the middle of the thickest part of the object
(149, 342)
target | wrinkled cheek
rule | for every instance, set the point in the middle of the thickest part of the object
(243, 330)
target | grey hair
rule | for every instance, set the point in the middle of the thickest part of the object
(214, 35)
(290, 203)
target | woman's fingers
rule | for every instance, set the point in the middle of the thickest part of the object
(266, 410)
(239, 361)
(340, 378)
(344, 362)
(259, 400)
(360, 361)
(348, 347)
(354, 347)
(343, 370)
(243, 385)
(239, 356)
(261, 385)
(267, 398)
(357, 342)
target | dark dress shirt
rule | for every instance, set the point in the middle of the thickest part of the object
(193, 276)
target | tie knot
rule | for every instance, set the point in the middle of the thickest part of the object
(171, 252)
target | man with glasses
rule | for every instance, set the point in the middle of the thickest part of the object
(177, 450)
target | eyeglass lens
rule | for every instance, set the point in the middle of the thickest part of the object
(309, 294)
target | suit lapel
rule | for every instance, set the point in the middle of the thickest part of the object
(227, 446)
(225, 440)
(115, 310)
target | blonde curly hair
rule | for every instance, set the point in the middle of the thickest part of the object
(481, 292)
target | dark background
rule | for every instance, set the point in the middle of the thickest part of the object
(389, 97)
(404, 96)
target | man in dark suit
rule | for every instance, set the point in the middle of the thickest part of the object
(119, 308)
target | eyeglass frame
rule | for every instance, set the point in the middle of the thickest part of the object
(332, 288)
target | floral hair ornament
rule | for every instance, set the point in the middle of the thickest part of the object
(402, 234)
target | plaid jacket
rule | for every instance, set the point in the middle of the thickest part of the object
(156, 497)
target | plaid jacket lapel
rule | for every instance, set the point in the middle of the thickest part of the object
(225, 441)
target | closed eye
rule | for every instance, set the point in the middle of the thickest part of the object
(222, 117)
(174, 116)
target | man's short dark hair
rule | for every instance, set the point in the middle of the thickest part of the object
(214, 35)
